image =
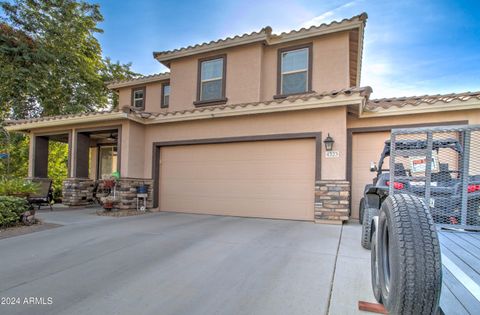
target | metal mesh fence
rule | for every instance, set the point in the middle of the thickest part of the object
(442, 166)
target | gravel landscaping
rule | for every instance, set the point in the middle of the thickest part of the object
(21, 229)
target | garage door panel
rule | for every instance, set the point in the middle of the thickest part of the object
(273, 179)
(366, 147)
(244, 188)
(279, 209)
(239, 169)
(263, 150)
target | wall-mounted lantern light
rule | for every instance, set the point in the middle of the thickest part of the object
(328, 143)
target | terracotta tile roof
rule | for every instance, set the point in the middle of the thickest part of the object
(140, 80)
(361, 91)
(400, 102)
(265, 34)
(260, 35)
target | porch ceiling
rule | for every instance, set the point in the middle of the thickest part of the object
(58, 137)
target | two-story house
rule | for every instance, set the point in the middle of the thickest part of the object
(258, 125)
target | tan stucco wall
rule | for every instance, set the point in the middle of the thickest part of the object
(330, 64)
(132, 150)
(153, 93)
(328, 120)
(242, 80)
(251, 74)
(124, 97)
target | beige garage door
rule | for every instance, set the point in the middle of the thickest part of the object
(268, 179)
(366, 147)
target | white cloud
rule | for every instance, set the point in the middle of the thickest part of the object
(329, 15)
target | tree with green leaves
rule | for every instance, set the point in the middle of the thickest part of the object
(51, 60)
(51, 64)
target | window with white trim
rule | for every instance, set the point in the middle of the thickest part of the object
(138, 98)
(294, 74)
(211, 79)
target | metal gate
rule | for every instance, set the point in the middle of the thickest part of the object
(442, 166)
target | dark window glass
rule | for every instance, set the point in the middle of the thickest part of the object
(294, 83)
(166, 96)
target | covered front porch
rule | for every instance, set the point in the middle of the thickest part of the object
(92, 153)
(94, 158)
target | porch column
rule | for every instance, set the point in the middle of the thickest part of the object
(40, 157)
(81, 159)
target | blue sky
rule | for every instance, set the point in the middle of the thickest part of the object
(412, 47)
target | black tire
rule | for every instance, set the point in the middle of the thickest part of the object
(377, 291)
(368, 215)
(361, 210)
(409, 259)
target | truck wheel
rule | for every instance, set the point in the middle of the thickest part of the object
(409, 262)
(361, 210)
(368, 215)
(377, 292)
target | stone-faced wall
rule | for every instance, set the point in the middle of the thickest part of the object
(332, 201)
(126, 193)
(77, 191)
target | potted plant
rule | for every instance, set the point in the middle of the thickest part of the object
(108, 182)
(108, 202)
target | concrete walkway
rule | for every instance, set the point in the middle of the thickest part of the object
(166, 263)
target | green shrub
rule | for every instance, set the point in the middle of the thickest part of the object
(17, 187)
(11, 208)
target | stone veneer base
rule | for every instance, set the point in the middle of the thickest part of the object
(79, 192)
(332, 201)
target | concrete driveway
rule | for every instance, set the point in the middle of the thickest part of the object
(166, 263)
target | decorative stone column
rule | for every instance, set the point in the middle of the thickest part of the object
(332, 201)
(126, 193)
(77, 191)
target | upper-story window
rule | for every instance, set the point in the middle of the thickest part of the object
(138, 97)
(211, 80)
(295, 70)
(165, 95)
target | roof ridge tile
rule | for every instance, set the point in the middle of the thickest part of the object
(403, 101)
(267, 31)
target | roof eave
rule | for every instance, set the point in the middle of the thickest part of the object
(265, 36)
(326, 102)
(166, 58)
(140, 81)
(361, 35)
(335, 28)
(28, 126)
(423, 108)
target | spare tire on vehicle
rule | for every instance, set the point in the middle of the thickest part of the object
(409, 260)
(368, 215)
